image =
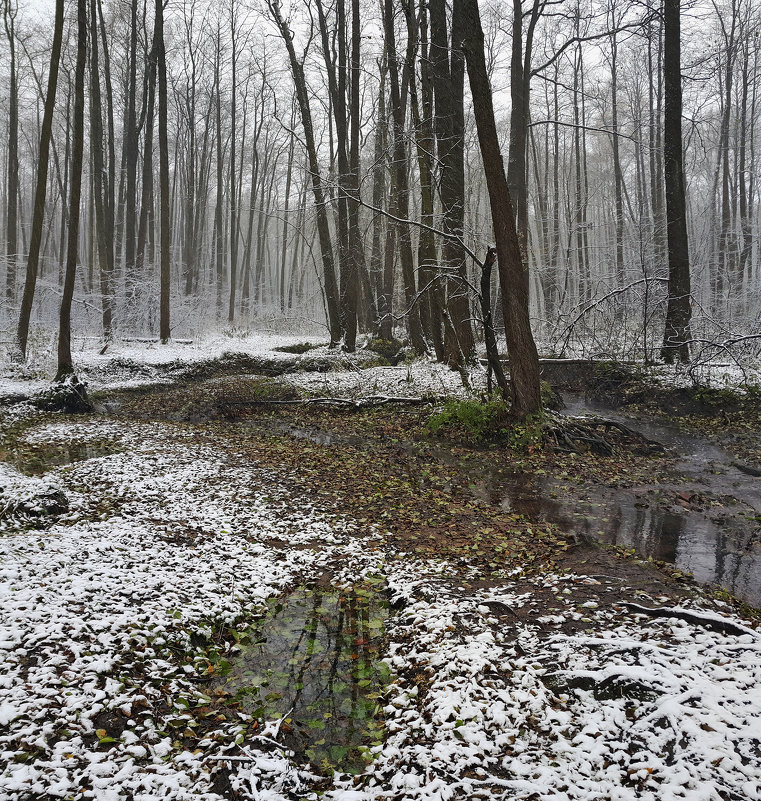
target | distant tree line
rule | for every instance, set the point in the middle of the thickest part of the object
(174, 166)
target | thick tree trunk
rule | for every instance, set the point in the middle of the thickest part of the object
(513, 275)
(448, 81)
(65, 362)
(677, 329)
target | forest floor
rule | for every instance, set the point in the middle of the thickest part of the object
(208, 593)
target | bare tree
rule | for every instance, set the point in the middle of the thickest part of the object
(677, 329)
(65, 362)
(35, 240)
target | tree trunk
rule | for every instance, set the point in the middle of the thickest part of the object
(105, 231)
(65, 363)
(323, 227)
(38, 219)
(448, 82)
(677, 329)
(513, 275)
(131, 155)
(166, 276)
(402, 195)
(350, 287)
(11, 228)
(432, 289)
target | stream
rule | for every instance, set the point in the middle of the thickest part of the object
(708, 524)
(700, 538)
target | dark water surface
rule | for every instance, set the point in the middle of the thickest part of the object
(314, 659)
(704, 539)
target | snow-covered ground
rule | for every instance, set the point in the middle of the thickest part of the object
(110, 610)
(133, 364)
(631, 708)
(163, 541)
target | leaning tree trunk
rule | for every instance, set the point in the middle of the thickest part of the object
(65, 363)
(11, 230)
(677, 329)
(323, 227)
(38, 219)
(513, 275)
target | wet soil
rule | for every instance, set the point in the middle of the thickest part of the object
(628, 527)
(688, 510)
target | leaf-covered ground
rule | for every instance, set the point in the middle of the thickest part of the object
(522, 663)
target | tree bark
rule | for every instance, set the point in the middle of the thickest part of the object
(12, 185)
(65, 362)
(402, 195)
(448, 75)
(677, 328)
(323, 227)
(513, 275)
(158, 38)
(105, 232)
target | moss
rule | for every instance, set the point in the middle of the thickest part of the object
(387, 349)
(717, 398)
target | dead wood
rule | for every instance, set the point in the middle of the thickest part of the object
(584, 434)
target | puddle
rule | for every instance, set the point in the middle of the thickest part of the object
(315, 658)
(34, 460)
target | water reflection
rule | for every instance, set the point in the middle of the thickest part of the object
(714, 545)
(315, 658)
(34, 460)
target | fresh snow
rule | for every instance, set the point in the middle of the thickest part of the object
(170, 537)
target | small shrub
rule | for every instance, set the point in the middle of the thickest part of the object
(390, 351)
(471, 419)
(715, 398)
(550, 398)
(527, 437)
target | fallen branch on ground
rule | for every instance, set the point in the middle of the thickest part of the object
(714, 623)
(360, 403)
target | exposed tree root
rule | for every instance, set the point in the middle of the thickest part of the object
(712, 623)
(594, 434)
